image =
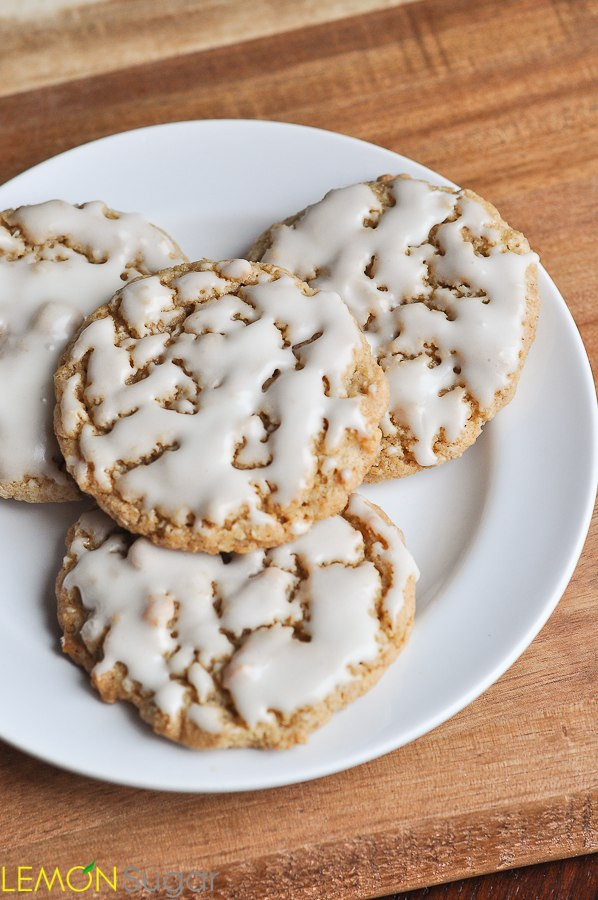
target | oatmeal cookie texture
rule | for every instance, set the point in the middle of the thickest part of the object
(58, 262)
(445, 292)
(238, 650)
(220, 406)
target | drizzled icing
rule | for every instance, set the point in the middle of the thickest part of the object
(214, 404)
(57, 264)
(445, 321)
(277, 629)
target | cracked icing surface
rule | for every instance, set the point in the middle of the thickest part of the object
(58, 262)
(243, 650)
(444, 291)
(220, 406)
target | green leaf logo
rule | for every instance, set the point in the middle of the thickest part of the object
(88, 868)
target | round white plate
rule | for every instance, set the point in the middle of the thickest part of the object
(496, 533)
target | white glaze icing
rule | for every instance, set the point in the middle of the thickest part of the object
(76, 264)
(208, 718)
(389, 550)
(171, 614)
(207, 392)
(478, 334)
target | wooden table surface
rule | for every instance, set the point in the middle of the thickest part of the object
(500, 97)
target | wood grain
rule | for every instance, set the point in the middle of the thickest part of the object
(571, 879)
(501, 97)
(44, 42)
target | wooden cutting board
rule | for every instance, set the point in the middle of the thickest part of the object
(501, 97)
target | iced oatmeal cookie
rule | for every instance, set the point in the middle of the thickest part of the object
(445, 292)
(58, 262)
(252, 650)
(220, 406)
